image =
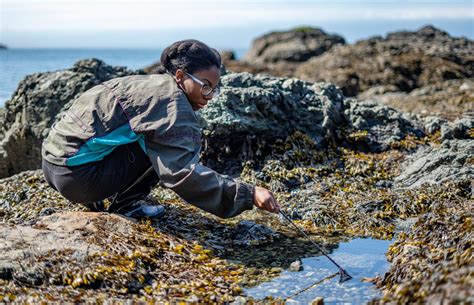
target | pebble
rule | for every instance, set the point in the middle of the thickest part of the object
(239, 300)
(317, 301)
(296, 266)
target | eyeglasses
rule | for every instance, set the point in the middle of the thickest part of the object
(206, 90)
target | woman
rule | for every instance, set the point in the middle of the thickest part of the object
(122, 137)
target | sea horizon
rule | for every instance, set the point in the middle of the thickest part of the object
(17, 63)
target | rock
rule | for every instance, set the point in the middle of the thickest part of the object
(433, 124)
(6, 273)
(379, 126)
(279, 69)
(3, 47)
(280, 53)
(193, 299)
(444, 100)
(239, 300)
(296, 45)
(370, 206)
(405, 60)
(56, 232)
(296, 266)
(153, 68)
(249, 233)
(462, 128)
(253, 111)
(450, 162)
(318, 301)
(404, 225)
(227, 55)
(34, 106)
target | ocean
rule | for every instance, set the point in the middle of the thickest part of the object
(15, 64)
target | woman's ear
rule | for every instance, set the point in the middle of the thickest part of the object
(179, 75)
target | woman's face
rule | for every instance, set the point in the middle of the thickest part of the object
(192, 88)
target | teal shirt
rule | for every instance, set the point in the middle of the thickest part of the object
(95, 149)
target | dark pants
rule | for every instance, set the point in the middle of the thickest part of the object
(100, 180)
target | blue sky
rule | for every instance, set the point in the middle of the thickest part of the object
(223, 24)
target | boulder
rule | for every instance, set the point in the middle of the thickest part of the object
(296, 45)
(35, 104)
(253, 111)
(452, 161)
(446, 100)
(374, 127)
(402, 60)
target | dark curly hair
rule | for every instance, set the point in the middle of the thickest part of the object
(189, 55)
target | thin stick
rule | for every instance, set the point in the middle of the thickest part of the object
(343, 273)
(312, 285)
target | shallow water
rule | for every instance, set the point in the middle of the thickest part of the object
(360, 257)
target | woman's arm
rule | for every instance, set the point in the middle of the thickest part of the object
(175, 157)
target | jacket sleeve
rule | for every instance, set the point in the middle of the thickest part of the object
(175, 152)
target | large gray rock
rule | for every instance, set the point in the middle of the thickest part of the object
(296, 45)
(34, 106)
(452, 161)
(402, 61)
(378, 127)
(253, 111)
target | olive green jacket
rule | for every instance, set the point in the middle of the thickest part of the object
(154, 111)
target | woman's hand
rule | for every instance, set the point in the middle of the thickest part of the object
(264, 199)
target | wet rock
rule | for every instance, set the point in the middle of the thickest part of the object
(318, 301)
(29, 278)
(193, 299)
(47, 211)
(461, 128)
(383, 184)
(370, 206)
(35, 105)
(296, 266)
(452, 161)
(432, 263)
(433, 124)
(239, 301)
(6, 273)
(254, 111)
(378, 126)
(406, 60)
(296, 45)
(404, 225)
(248, 233)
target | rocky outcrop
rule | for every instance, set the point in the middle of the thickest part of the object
(250, 114)
(452, 161)
(448, 100)
(281, 53)
(375, 127)
(402, 61)
(296, 45)
(253, 111)
(34, 106)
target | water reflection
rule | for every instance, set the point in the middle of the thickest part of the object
(360, 257)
